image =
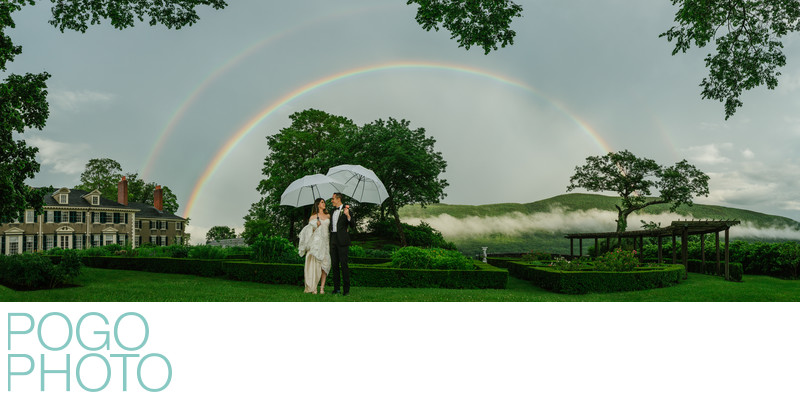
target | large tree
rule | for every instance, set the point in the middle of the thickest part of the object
(23, 98)
(635, 179)
(219, 232)
(102, 174)
(303, 148)
(142, 192)
(485, 23)
(406, 162)
(747, 35)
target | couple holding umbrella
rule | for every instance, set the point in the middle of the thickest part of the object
(325, 240)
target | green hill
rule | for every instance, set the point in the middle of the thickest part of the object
(551, 239)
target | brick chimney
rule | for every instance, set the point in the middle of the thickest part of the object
(122, 192)
(158, 198)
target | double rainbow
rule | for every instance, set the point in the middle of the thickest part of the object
(248, 127)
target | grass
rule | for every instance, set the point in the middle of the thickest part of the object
(100, 285)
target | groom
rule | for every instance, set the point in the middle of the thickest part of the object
(341, 221)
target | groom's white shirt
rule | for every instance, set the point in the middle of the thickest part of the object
(335, 217)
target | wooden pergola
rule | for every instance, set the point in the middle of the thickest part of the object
(677, 228)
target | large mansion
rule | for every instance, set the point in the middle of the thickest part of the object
(76, 219)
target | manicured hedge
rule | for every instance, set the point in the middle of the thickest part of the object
(579, 282)
(377, 275)
(368, 260)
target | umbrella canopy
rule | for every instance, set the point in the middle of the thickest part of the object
(360, 183)
(307, 189)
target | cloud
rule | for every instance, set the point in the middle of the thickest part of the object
(748, 154)
(708, 154)
(75, 101)
(61, 157)
(558, 220)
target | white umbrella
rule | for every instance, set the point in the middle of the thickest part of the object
(307, 189)
(361, 184)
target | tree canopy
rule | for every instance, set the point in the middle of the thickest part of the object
(747, 35)
(635, 179)
(485, 23)
(104, 174)
(403, 158)
(405, 161)
(218, 233)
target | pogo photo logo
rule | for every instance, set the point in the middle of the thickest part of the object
(52, 354)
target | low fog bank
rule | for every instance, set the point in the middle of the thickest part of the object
(558, 220)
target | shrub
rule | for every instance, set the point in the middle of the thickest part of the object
(35, 271)
(178, 251)
(422, 235)
(206, 252)
(561, 264)
(736, 271)
(536, 256)
(70, 265)
(357, 251)
(417, 258)
(373, 253)
(275, 250)
(95, 252)
(617, 260)
(412, 258)
(113, 248)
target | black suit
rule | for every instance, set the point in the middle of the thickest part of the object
(340, 246)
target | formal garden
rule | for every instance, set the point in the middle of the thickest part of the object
(271, 270)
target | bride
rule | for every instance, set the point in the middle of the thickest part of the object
(315, 244)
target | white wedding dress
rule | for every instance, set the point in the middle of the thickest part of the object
(315, 245)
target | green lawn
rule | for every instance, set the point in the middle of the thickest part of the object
(117, 285)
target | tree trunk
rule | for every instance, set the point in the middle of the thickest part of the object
(397, 223)
(622, 219)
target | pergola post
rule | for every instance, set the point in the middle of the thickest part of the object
(608, 243)
(580, 247)
(727, 255)
(685, 250)
(596, 249)
(703, 250)
(719, 270)
(571, 248)
(641, 249)
(660, 253)
(674, 245)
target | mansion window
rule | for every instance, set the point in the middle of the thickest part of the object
(29, 244)
(49, 242)
(30, 217)
(79, 242)
(13, 245)
(63, 241)
(139, 224)
(178, 225)
(96, 240)
(95, 200)
(62, 199)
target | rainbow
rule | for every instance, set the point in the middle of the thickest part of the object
(188, 102)
(226, 149)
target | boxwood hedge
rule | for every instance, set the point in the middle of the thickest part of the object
(579, 282)
(377, 275)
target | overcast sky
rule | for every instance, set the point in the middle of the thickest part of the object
(582, 77)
